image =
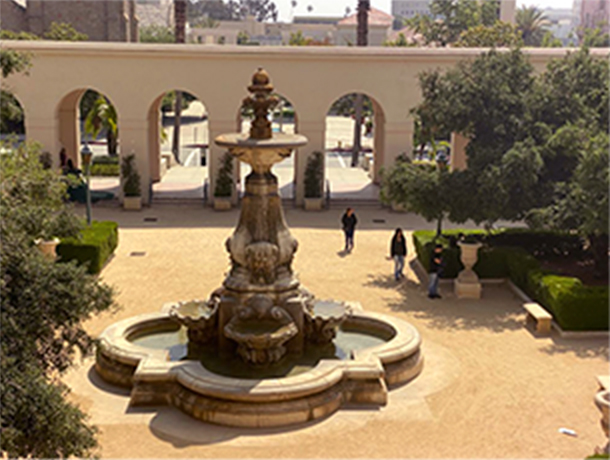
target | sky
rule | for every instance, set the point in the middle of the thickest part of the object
(337, 7)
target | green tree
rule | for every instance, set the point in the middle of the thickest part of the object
(450, 18)
(549, 41)
(595, 38)
(531, 23)
(11, 62)
(62, 31)
(418, 188)
(401, 41)
(43, 306)
(582, 204)
(213, 9)
(298, 39)
(243, 38)
(262, 10)
(156, 34)
(501, 34)
(103, 116)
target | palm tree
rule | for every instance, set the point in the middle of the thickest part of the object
(180, 22)
(531, 23)
(362, 40)
(103, 116)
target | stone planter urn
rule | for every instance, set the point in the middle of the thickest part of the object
(48, 247)
(312, 204)
(132, 203)
(222, 203)
(467, 285)
(602, 401)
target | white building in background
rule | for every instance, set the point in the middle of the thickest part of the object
(560, 23)
(331, 31)
(408, 8)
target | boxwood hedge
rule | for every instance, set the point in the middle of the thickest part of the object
(574, 306)
(92, 247)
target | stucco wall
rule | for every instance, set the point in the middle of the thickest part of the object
(134, 76)
(12, 16)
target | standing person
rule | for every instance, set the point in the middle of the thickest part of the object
(349, 222)
(398, 251)
(436, 266)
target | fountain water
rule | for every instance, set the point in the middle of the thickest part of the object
(263, 315)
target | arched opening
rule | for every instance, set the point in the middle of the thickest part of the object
(354, 151)
(12, 118)
(178, 163)
(86, 115)
(284, 121)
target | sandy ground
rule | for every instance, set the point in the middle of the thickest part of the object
(490, 388)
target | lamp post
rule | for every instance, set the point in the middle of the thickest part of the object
(86, 155)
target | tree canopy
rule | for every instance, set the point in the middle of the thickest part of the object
(43, 306)
(233, 10)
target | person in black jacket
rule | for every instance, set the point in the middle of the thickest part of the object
(436, 267)
(398, 250)
(349, 222)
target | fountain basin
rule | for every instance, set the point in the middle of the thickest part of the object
(269, 402)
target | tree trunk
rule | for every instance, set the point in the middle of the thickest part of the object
(439, 227)
(180, 32)
(357, 145)
(111, 141)
(177, 117)
(599, 249)
(361, 40)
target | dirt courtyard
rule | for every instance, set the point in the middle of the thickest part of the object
(490, 387)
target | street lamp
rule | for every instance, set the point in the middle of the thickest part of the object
(86, 155)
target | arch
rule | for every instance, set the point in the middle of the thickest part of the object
(160, 163)
(69, 120)
(339, 139)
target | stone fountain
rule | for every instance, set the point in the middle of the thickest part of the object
(300, 358)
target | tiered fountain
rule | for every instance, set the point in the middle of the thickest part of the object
(262, 351)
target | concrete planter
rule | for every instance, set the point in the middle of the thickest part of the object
(312, 204)
(397, 207)
(467, 285)
(222, 203)
(48, 247)
(132, 203)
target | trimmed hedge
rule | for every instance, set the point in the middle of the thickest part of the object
(106, 170)
(575, 307)
(93, 247)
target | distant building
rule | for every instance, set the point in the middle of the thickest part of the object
(328, 30)
(594, 14)
(408, 8)
(101, 20)
(560, 22)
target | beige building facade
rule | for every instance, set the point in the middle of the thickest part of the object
(136, 76)
(101, 20)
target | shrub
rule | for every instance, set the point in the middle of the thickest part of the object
(131, 178)
(544, 244)
(224, 181)
(105, 160)
(92, 247)
(574, 306)
(314, 172)
(105, 169)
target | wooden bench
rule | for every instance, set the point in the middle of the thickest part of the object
(540, 315)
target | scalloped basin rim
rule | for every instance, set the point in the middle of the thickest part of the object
(279, 140)
(153, 364)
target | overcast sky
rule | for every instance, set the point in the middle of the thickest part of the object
(337, 7)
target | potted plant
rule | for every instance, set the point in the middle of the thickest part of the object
(132, 198)
(313, 182)
(223, 190)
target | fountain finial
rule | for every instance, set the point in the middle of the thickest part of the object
(261, 103)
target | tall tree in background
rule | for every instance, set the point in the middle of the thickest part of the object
(180, 20)
(531, 22)
(361, 40)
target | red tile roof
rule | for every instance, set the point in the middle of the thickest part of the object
(376, 18)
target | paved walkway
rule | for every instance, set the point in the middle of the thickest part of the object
(490, 388)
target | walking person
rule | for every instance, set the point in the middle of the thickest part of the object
(436, 267)
(398, 251)
(349, 222)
